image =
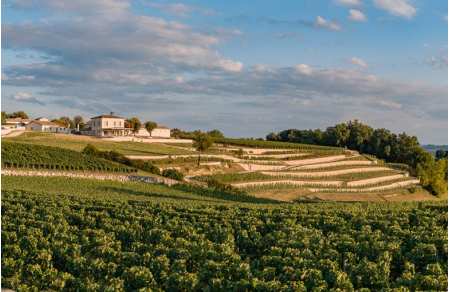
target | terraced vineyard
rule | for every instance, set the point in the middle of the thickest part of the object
(310, 173)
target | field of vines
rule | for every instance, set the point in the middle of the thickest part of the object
(54, 241)
(78, 142)
(19, 155)
(280, 145)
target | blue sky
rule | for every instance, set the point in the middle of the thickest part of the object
(245, 67)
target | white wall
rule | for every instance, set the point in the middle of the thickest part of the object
(160, 132)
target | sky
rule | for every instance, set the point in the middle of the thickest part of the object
(245, 67)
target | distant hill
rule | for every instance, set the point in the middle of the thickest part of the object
(433, 148)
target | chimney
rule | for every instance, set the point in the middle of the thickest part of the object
(111, 113)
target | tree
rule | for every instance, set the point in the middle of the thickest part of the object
(68, 122)
(272, 137)
(433, 175)
(359, 135)
(60, 122)
(4, 117)
(78, 122)
(202, 142)
(18, 114)
(337, 135)
(135, 124)
(216, 134)
(149, 126)
(441, 154)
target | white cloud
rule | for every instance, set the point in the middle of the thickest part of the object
(331, 25)
(389, 104)
(359, 62)
(349, 2)
(304, 69)
(356, 15)
(127, 39)
(402, 8)
(26, 97)
(230, 65)
(178, 9)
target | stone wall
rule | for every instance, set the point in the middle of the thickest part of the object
(90, 175)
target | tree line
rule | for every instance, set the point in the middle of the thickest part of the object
(385, 145)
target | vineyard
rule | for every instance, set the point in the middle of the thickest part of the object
(56, 240)
(78, 143)
(277, 145)
(19, 155)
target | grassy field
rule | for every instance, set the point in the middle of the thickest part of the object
(77, 143)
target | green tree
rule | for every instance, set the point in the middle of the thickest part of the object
(433, 175)
(441, 154)
(149, 126)
(337, 135)
(216, 134)
(78, 122)
(67, 122)
(272, 137)
(135, 124)
(4, 117)
(18, 114)
(202, 142)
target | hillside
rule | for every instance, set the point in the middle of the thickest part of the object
(304, 171)
(237, 223)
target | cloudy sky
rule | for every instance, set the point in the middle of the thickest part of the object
(245, 67)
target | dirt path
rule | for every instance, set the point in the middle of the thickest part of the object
(370, 189)
(332, 164)
(288, 182)
(315, 160)
(326, 173)
(13, 134)
(220, 156)
(277, 155)
(364, 182)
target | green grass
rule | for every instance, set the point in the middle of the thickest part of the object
(77, 143)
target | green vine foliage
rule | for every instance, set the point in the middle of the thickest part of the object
(62, 242)
(21, 155)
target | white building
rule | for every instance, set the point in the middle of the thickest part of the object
(142, 132)
(46, 126)
(107, 126)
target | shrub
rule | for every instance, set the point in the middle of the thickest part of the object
(173, 174)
